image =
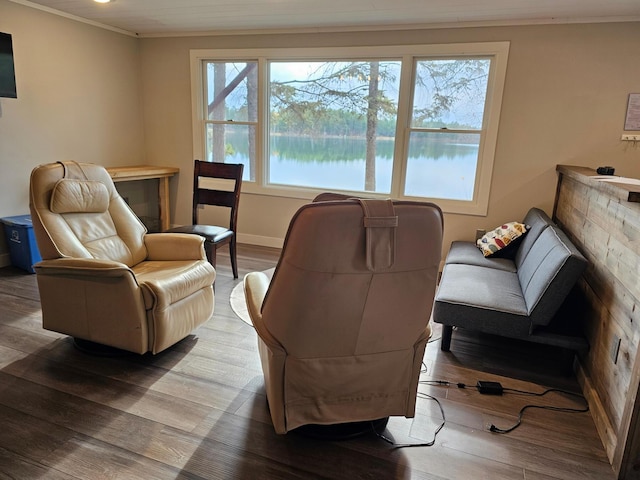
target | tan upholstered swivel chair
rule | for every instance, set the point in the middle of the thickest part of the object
(344, 322)
(103, 279)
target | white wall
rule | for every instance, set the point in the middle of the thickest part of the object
(78, 99)
(564, 103)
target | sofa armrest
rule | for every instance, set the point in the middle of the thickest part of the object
(174, 246)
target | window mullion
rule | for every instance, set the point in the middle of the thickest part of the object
(402, 126)
(262, 131)
(198, 81)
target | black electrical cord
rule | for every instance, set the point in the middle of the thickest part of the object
(442, 383)
(435, 434)
(493, 428)
(541, 394)
(426, 444)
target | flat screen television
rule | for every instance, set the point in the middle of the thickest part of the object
(7, 70)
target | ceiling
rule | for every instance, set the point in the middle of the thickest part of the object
(174, 17)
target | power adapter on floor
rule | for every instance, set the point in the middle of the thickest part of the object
(489, 388)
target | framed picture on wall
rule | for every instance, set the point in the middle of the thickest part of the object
(632, 120)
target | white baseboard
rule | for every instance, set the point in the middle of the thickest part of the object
(260, 240)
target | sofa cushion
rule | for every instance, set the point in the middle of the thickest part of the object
(482, 299)
(491, 243)
(485, 288)
(467, 253)
(537, 221)
(548, 273)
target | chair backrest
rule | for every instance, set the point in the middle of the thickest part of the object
(212, 193)
(77, 212)
(355, 278)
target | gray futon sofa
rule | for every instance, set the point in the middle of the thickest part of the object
(515, 297)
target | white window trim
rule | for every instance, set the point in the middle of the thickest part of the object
(498, 50)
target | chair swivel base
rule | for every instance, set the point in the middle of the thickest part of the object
(343, 431)
(98, 349)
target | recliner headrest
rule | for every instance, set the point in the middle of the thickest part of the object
(79, 196)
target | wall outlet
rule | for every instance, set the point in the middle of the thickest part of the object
(615, 349)
(479, 233)
(630, 138)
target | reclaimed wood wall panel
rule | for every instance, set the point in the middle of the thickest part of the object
(605, 226)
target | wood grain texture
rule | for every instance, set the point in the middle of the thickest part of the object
(199, 410)
(605, 226)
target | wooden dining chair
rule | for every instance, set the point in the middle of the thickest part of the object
(223, 194)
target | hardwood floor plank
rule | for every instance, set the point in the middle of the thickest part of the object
(84, 457)
(18, 283)
(31, 438)
(16, 338)
(301, 452)
(116, 432)
(168, 410)
(15, 466)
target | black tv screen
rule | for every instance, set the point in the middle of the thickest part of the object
(7, 70)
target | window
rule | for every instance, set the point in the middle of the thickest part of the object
(414, 122)
(332, 124)
(230, 111)
(449, 97)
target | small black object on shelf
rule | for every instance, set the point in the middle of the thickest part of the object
(605, 170)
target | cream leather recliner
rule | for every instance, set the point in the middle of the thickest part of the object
(103, 279)
(343, 324)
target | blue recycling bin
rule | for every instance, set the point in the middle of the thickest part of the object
(23, 249)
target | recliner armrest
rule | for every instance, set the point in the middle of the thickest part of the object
(89, 267)
(256, 285)
(174, 246)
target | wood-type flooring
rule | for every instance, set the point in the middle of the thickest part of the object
(199, 411)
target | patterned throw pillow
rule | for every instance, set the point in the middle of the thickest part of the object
(496, 240)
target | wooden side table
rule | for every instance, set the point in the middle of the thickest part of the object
(148, 172)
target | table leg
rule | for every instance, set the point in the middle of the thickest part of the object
(163, 203)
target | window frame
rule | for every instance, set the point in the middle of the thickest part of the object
(408, 55)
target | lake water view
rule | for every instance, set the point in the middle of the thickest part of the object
(435, 169)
